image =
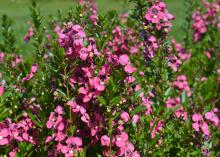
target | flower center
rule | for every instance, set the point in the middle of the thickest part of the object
(119, 139)
(71, 151)
(155, 16)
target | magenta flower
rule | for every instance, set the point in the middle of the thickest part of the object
(129, 69)
(120, 140)
(200, 124)
(56, 121)
(154, 14)
(205, 128)
(59, 110)
(83, 54)
(125, 116)
(34, 69)
(211, 116)
(105, 141)
(75, 141)
(4, 134)
(92, 90)
(135, 118)
(1, 90)
(197, 117)
(124, 59)
(28, 36)
(174, 62)
(60, 136)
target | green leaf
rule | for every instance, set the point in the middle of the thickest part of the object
(61, 93)
(154, 141)
(184, 97)
(115, 100)
(137, 94)
(168, 92)
(34, 119)
(102, 100)
(138, 109)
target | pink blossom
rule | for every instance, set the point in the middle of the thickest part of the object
(135, 119)
(29, 34)
(125, 116)
(124, 59)
(4, 133)
(105, 141)
(34, 69)
(209, 115)
(195, 126)
(1, 90)
(129, 69)
(77, 141)
(197, 117)
(205, 128)
(120, 140)
(59, 110)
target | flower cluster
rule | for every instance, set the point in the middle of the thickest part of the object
(158, 21)
(11, 133)
(199, 123)
(104, 87)
(181, 84)
(203, 20)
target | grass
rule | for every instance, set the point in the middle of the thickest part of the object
(19, 12)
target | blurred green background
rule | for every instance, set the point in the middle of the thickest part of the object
(19, 12)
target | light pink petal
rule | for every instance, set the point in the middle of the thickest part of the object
(124, 59)
(34, 68)
(1, 90)
(129, 69)
(4, 141)
(195, 126)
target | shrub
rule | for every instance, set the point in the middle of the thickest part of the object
(112, 84)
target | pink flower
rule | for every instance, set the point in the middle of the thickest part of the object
(83, 54)
(195, 126)
(129, 69)
(135, 119)
(59, 110)
(120, 140)
(125, 116)
(29, 34)
(77, 141)
(12, 153)
(34, 68)
(205, 129)
(154, 14)
(1, 90)
(93, 89)
(197, 117)
(174, 62)
(209, 115)
(200, 124)
(49, 139)
(124, 59)
(60, 136)
(135, 154)
(4, 133)
(105, 141)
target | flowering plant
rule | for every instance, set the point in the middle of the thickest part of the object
(112, 85)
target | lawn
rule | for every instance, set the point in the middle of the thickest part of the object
(18, 10)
